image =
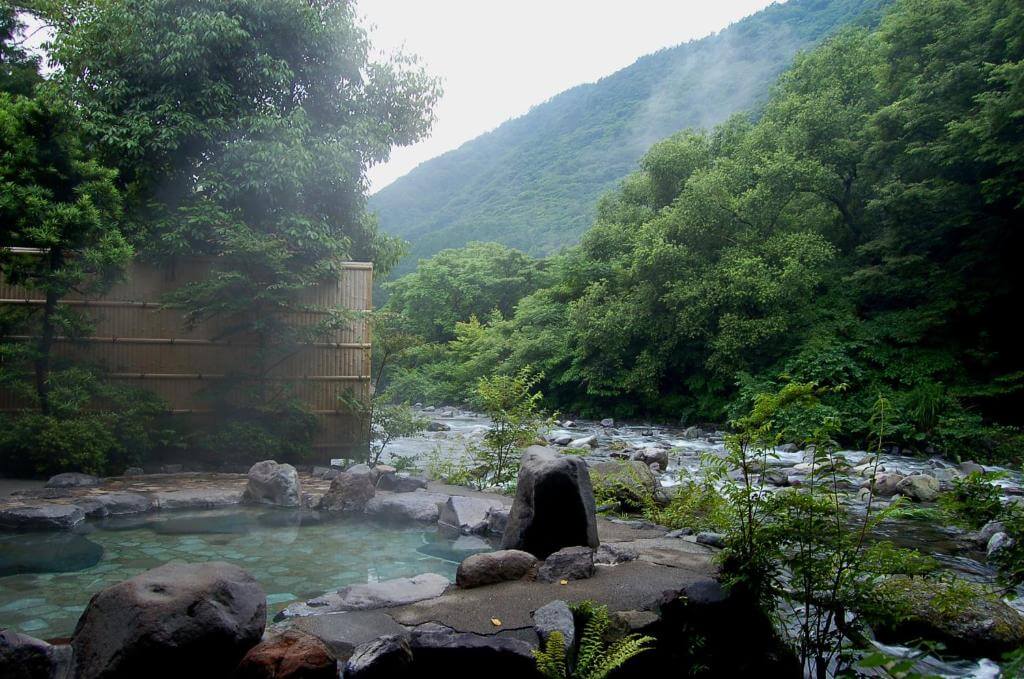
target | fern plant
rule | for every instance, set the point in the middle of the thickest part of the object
(595, 656)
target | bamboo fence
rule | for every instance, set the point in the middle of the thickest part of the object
(141, 341)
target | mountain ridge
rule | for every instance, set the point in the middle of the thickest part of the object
(533, 181)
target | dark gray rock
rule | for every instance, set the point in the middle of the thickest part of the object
(467, 515)
(400, 483)
(555, 617)
(115, 504)
(25, 657)
(383, 658)
(569, 563)
(488, 568)
(970, 467)
(988, 530)
(497, 520)
(997, 543)
(384, 594)
(554, 504)
(348, 493)
(775, 477)
(345, 631)
(562, 440)
(440, 651)
(611, 553)
(325, 473)
(679, 532)
(711, 539)
(608, 422)
(72, 480)
(438, 426)
(188, 620)
(417, 506)
(271, 483)
(41, 517)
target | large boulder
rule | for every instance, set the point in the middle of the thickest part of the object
(25, 657)
(291, 654)
(651, 456)
(271, 483)
(177, 620)
(348, 493)
(967, 618)
(197, 498)
(554, 505)
(491, 567)
(41, 517)
(631, 483)
(72, 480)
(467, 515)
(919, 488)
(400, 483)
(444, 652)
(417, 506)
(383, 658)
(115, 504)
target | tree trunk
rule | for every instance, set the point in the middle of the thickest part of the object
(44, 346)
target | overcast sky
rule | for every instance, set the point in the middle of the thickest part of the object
(497, 59)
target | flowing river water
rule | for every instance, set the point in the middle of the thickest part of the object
(950, 545)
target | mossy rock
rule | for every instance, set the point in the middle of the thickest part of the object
(968, 618)
(631, 483)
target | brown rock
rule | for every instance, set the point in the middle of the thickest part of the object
(292, 654)
(349, 492)
(491, 567)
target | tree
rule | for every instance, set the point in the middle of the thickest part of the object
(19, 70)
(243, 130)
(56, 198)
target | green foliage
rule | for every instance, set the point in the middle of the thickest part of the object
(857, 232)
(283, 431)
(391, 421)
(596, 655)
(513, 407)
(95, 427)
(696, 504)
(19, 70)
(534, 182)
(974, 500)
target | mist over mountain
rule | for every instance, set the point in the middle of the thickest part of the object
(533, 182)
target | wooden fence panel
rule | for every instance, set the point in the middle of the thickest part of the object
(141, 342)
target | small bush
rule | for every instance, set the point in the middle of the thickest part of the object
(974, 501)
(696, 504)
(283, 432)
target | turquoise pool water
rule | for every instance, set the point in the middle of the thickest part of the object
(46, 579)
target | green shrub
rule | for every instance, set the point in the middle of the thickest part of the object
(974, 501)
(696, 504)
(283, 432)
(596, 655)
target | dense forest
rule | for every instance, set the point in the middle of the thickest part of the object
(533, 183)
(860, 231)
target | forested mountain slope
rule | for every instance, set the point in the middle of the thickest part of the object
(533, 182)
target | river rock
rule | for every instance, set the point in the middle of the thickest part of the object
(562, 440)
(692, 433)
(886, 484)
(72, 480)
(348, 493)
(417, 506)
(651, 456)
(630, 483)
(980, 624)
(291, 654)
(970, 467)
(401, 483)
(25, 657)
(490, 567)
(569, 424)
(555, 617)
(775, 477)
(271, 483)
(383, 658)
(197, 498)
(584, 442)
(608, 422)
(467, 515)
(997, 543)
(568, 563)
(711, 539)
(919, 488)
(41, 517)
(554, 504)
(176, 620)
(438, 426)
